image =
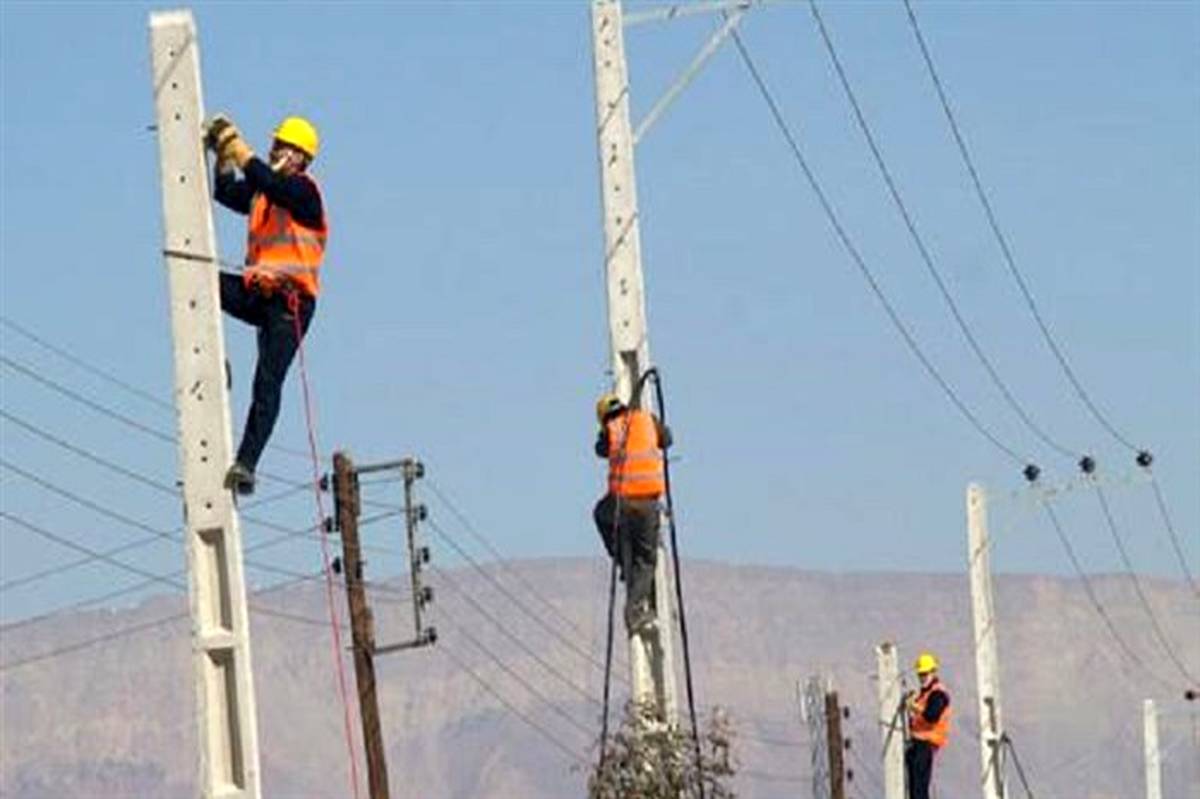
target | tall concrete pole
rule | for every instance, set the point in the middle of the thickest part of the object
(987, 668)
(891, 719)
(225, 706)
(651, 649)
(1153, 756)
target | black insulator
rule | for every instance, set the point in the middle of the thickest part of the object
(419, 470)
(336, 565)
(1144, 459)
(327, 524)
(431, 635)
(423, 554)
(358, 573)
(845, 712)
(847, 743)
(849, 773)
(426, 595)
(323, 483)
(1031, 472)
(422, 513)
(1191, 695)
(1087, 464)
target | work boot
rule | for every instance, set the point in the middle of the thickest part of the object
(240, 478)
(638, 615)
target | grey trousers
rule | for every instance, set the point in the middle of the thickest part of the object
(630, 529)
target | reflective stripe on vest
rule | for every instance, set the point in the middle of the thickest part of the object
(936, 733)
(279, 248)
(635, 467)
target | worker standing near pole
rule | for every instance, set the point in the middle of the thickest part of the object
(928, 726)
(285, 246)
(627, 517)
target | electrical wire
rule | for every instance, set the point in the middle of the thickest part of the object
(852, 250)
(515, 600)
(499, 559)
(923, 249)
(1002, 240)
(1090, 591)
(108, 412)
(539, 729)
(110, 378)
(1155, 625)
(511, 636)
(1165, 515)
(43, 434)
(513, 673)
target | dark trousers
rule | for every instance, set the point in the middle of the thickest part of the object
(629, 528)
(277, 344)
(918, 761)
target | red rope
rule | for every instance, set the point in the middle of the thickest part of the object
(293, 302)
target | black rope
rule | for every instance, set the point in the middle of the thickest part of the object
(608, 653)
(1007, 742)
(683, 629)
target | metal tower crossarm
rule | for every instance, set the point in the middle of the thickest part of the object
(225, 704)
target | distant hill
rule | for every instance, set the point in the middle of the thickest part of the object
(115, 719)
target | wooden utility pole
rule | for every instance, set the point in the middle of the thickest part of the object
(891, 719)
(226, 717)
(835, 745)
(987, 668)
(346, 495)
(1153, 755)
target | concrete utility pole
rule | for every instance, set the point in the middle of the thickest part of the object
(987, 668)
(362, 625)
(1153, 756)
(891, 719)
(836, 746)
(812, 711)
(652, 648)
(225, 706)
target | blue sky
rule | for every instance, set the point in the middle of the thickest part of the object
(463, 313)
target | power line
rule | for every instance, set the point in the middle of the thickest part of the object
(109, 636)
(1001, 240)
(1137, 588)
(1161, 502)
(516, 676)
(521, 605)
(108, 412)
(483, 611)
(500, 559)
(139, 477)
(923, 249)
(109, 377)
(856, 257)
(539, 729)
(1086, 582)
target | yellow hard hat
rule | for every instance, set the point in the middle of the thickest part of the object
(300, 133)
(607, 403)
(926, 663)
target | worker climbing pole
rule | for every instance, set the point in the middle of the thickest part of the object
(651, 646)
(226, 717)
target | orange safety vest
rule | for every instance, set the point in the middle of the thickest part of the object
(936, 733)
(278, 249)
(635, 467)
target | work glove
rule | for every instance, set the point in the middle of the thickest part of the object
(218, 131)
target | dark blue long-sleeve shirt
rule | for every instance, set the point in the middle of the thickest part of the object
(297, 193)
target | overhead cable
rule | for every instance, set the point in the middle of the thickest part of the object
(923, 249)
(852, 250)
(1155, 625)
(1002, 240)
